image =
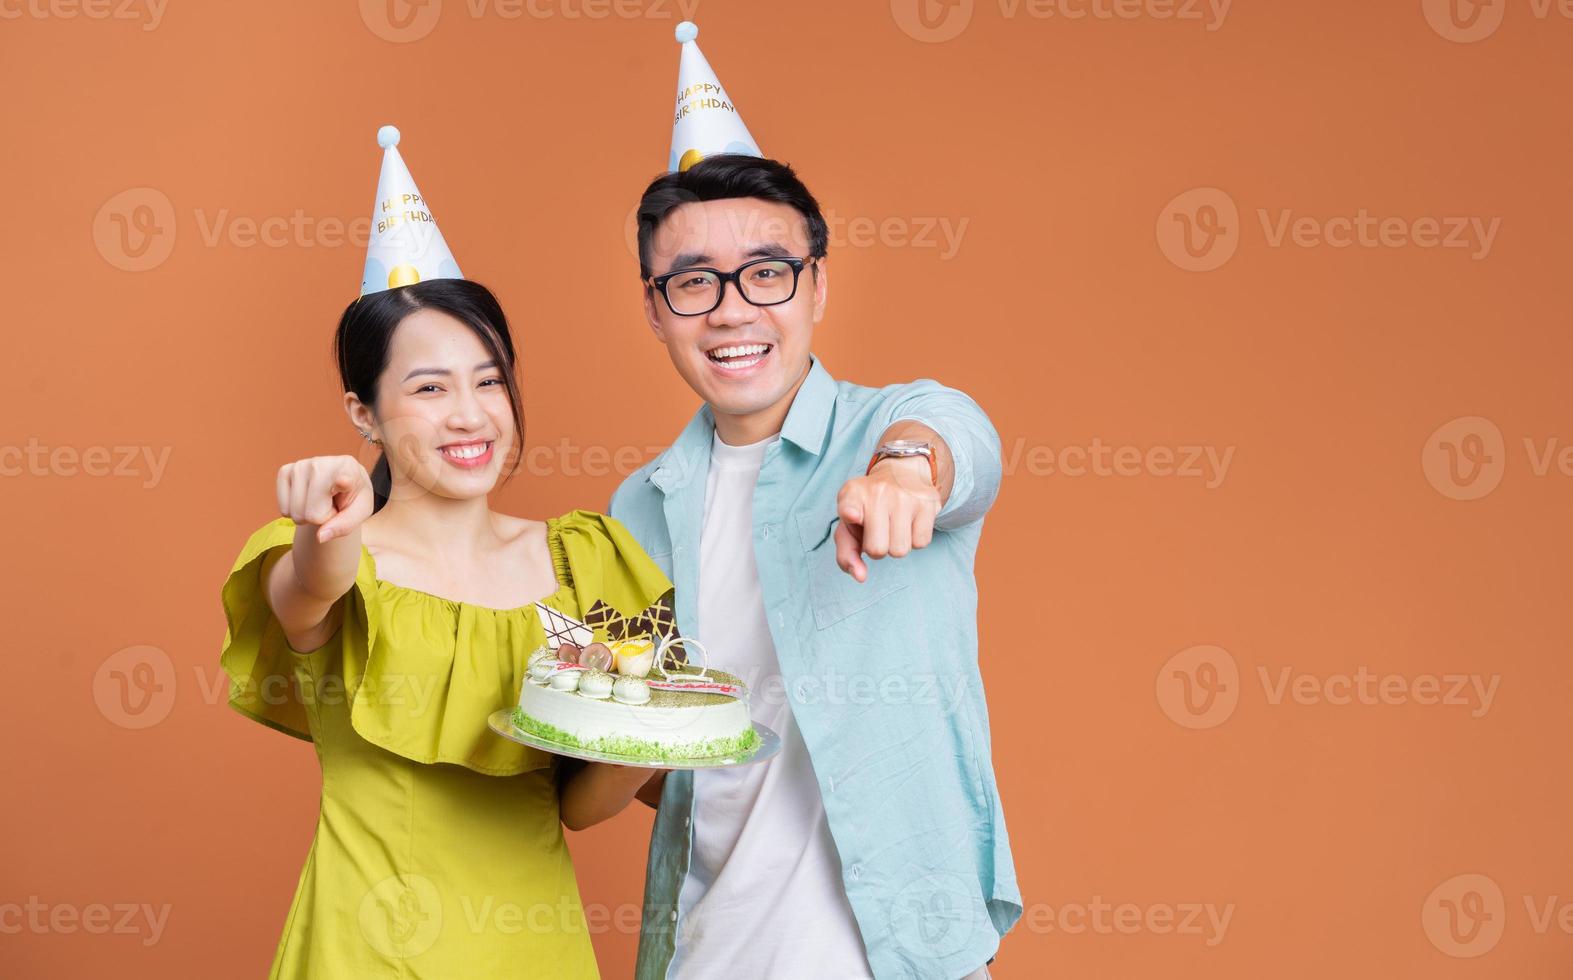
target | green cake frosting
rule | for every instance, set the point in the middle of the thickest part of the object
(638, 748)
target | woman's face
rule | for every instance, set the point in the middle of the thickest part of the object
(442, 413)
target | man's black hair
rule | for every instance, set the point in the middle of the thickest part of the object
(725, 176)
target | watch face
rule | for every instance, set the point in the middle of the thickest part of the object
(906, 447)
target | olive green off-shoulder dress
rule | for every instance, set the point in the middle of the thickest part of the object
(438, 850)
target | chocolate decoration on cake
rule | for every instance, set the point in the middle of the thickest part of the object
(562, 629)
(658, 620)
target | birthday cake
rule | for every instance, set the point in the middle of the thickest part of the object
(633, 693)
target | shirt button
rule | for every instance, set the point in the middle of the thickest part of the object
(688, 821)
(765, 533)
(856, 872)
(674, 915)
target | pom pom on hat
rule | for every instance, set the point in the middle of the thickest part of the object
(388, 136)
(687, 31)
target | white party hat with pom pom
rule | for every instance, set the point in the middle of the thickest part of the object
(405, 245)
(706, 122)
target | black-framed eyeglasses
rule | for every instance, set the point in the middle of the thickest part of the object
(762, 282)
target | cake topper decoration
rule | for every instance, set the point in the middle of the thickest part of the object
(562, 629)
(657, 620)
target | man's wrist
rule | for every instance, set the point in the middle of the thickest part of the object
(907, 449)
(918, 468)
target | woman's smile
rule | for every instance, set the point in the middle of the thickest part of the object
(469, 455)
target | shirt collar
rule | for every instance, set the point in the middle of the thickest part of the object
(807, 425)
(808, 420)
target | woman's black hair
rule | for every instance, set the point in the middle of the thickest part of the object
(365, 337)
(728, 175)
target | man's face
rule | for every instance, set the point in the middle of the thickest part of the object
(742, 359)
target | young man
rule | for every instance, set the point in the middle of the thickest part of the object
(874, 844)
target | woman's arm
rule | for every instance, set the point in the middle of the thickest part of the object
(599, 791)
(328, 498)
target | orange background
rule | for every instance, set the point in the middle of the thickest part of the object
(1337, 540)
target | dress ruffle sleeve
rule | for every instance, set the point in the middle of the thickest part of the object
(257, 657)
(422, 674)
(602, 560)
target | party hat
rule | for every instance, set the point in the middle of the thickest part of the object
(405, 246)
(707, 122)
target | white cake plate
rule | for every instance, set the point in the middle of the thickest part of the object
(501, 722)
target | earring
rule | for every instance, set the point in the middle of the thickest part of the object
(368, 437)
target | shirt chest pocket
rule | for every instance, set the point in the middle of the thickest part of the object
(834, 594)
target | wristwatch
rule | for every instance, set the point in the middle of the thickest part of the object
(903, 448)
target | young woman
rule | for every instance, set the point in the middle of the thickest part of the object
(384, 617)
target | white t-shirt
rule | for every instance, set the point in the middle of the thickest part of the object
(763, 895)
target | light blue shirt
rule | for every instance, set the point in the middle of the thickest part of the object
(882, 676)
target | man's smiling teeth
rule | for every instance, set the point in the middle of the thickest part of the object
(750, 352)
(466, 452)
